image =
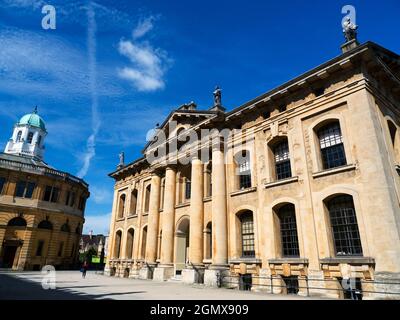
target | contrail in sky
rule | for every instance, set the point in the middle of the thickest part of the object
(91, 45)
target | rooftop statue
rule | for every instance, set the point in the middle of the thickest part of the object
(349, 30)
(217, 96)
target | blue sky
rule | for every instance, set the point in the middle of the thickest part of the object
(102, 83)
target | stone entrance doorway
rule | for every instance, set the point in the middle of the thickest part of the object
(10, 254)
(181, 245)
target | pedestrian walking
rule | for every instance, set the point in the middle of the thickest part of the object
(85, 266)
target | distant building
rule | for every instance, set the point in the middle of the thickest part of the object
(96, 242)
(41, 208)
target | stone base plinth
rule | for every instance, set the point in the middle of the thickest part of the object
(146, 273)
(163, 273)
(213, 277)
(190, 276)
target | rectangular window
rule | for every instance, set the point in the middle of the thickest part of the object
(81, 204)
(51, 194)
(247, 236)
(290, 243)
(73, 196)
(282, 161)
(188, 187)
(24, 189)
(244, 175)
(54, 195)
(30, 187)
(60, 249)
(67, 198)
(332, 148)
(344, 227)
(47, 193)
(39, 249)
(2, 183)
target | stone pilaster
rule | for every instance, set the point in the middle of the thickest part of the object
(165, 269)
(152, 229)
(219, 265)
(194, 272)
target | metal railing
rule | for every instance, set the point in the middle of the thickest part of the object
(348, 288)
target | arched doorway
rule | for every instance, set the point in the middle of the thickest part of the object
(13, 242)
(181, 245)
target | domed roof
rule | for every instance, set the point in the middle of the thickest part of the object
(33, 119)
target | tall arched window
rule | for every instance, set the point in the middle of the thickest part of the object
(208, 180)
(394, 139)
(208, 240)
(147, 198)
(121, 206)
(247, 232)
(144, 242)
(117, 246)
(17, 222)
(45, 224)
(30, 137)
(162, 194)
(129, 243)
(19, 134)
(65, 227)
(134, 195)
(243, 169)
(346, 236)
(188, 188)
(282, 160)
(39, 141)
(288, 231)
(331, 145)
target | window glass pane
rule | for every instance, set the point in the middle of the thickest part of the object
(73, 196)
(290, 243)
(20, 189)
(30, 137)
(247, 227)
(188, 187)
(54, 195)
(344, 226)
(2, 183)
(39, 248)
(330, 135)
(29, 189)
(67, 198)
(47, 193)
(332, 149)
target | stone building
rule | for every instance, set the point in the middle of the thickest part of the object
(41, 208)
(304, 197)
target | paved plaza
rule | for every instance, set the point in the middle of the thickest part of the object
(71, 286)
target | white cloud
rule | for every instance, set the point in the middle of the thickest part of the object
(100, 224)
(101, 195)
(143, 27)
(148, 64)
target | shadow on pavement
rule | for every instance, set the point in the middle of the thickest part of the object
(14, 288)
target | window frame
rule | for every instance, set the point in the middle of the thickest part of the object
(247, 235)
(350, 243)
(331, 145)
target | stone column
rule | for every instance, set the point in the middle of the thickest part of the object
(219, 218)
(152, 228)
(194, 272)
(111, 240)
(166, 269)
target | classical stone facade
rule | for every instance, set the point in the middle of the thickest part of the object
(304, 197)
(41, 208)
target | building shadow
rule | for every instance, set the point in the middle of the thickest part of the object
(14, 288)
